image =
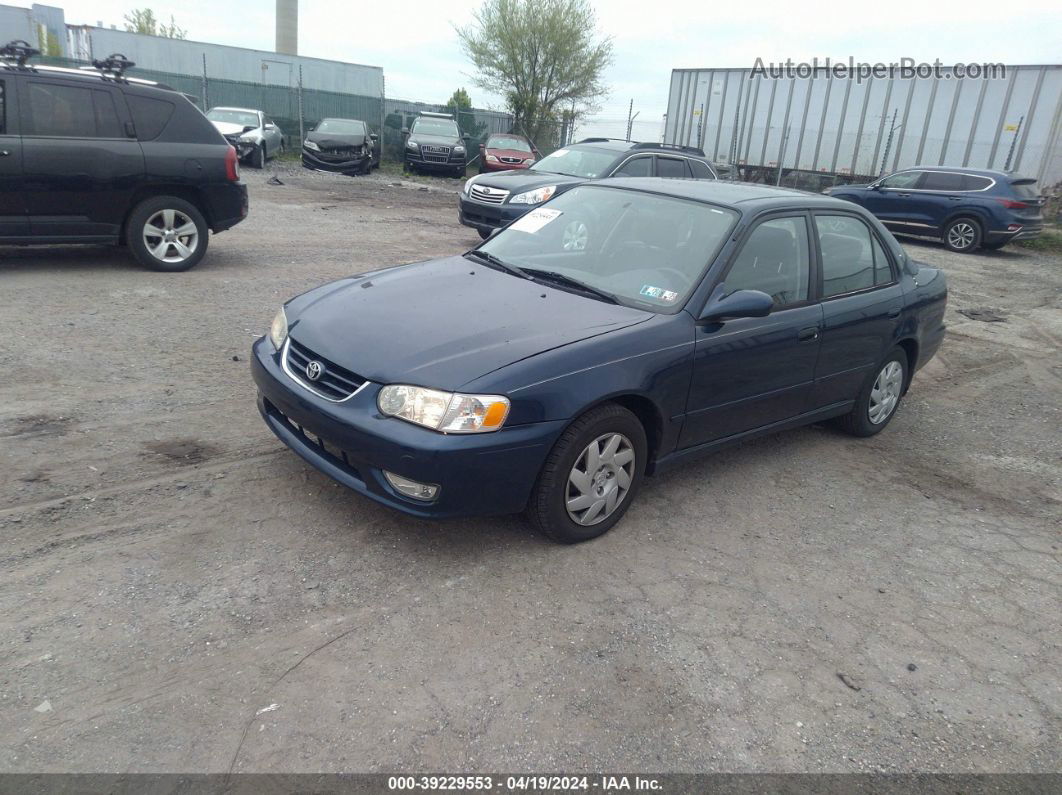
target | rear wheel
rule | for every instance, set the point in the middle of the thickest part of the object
(591, 476)
(880, 397)
(167, 234)
(962, 235)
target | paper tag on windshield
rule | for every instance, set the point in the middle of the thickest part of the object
(534, 220)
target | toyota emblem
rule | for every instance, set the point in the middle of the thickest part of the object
(314, 370)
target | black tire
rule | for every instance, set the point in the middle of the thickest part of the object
(996, 246)
(258, 157)
(484, 233)
(858, 421)
(547, 509)
(148, 211)
(459, 172)
(962, 235)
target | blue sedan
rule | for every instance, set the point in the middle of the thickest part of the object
(550, 372)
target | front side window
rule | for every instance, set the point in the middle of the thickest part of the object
(774, 260)
(902, 180)
(849, 262)
(943, 180)
(672, 167)
(648, 251)
(635, 167)
(60, 111)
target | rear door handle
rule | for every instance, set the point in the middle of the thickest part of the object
(894, 313)
(809, 333)
(904, 195)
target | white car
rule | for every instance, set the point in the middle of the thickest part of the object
(256, 137)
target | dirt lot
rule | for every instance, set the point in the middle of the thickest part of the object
(179, 592)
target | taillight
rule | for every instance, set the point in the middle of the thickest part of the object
(1010, 204)
(232, 165)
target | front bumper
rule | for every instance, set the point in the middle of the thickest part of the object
(243, 148)
(338, 164)
(478, 474)
(488, 166)
(427, 163)
(486, 217)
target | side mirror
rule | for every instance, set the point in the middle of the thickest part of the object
(742, 303)
(374, 137)
(876, 186)
(405, 131)
(249, 127)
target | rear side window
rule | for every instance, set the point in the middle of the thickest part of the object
(672, 167)
(701, 170)
(107, 124)
(1025, 188)
(636, 167)
(882, 268)
(848, 258)
(943, 180)
(60, 111)
(149, 115)
(971, 182)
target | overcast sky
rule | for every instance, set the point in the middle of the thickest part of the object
(414, 41)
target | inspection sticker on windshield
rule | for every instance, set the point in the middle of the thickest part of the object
(659, 293)
(534, 220)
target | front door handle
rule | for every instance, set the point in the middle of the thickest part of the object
(809, 333)
(904, 195)
(4, 153)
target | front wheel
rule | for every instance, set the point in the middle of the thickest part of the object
(962, 235)
(167, 234)
(880, 397)
(591, 476)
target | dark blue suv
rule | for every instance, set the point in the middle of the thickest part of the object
(965, 208)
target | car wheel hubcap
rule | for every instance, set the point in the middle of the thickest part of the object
(576, 236)
(171, 236)
(886, 392)
(600, 479)
(961, 235)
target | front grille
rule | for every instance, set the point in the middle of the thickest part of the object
(335, 383)
(435, 154)
(325, 447)
(488, 195)
(511, 159)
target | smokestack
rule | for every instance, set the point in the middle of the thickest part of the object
(288, 27)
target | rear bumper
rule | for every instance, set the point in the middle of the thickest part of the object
(228, 204)
(488, 216)
(1026, 231)
(477, 474)
(351, 166)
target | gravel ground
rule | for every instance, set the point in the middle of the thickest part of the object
(178, 592)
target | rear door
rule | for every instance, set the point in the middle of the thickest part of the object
(13, 221)
(938, 196)
(862, 305)
(81, 165)
(673, 167)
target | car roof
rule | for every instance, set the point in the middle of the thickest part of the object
(242, 110)
(978, 172)
(341, 118)
(742, 196)
(83, 74)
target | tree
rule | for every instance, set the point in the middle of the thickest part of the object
(543, 56)
(142, 20)
(460, 104)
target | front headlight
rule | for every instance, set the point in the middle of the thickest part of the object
(468, 185)
(411, 144)
(459, 150)
(312, 146)
(278, 331)
(536, 196)
(492, 159)
(447, 412)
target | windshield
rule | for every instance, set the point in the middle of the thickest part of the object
(436, 127)
(341, 127)
(508, 142)
(588, 163)
(243, 118)
(648, 251)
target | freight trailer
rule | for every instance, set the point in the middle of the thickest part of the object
(815, 127)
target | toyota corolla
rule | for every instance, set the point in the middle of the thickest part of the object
(532, 375)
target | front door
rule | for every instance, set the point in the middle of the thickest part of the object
(892, 201)
(81, 167)
(13, 222)
(751, 372)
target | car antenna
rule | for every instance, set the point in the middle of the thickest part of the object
(115, 64)
(18, 51)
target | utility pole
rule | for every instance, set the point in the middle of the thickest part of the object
(206, 101)
(302, 132)
(1010, 154)
(630, 119)
(888, 142)
(781, 154)
(630, 124)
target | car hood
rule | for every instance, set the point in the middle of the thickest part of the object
(327, 140)
(520, 180)
(509, 153)
(445, 322)
(228, 128)
(435, 140)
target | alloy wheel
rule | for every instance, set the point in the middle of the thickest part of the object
(961, 235)
(171, 236)
(600, 479)
(885, 393)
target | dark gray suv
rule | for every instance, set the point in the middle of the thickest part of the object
(435, 144)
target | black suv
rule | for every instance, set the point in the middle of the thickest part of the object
(92, 156)
(493, 200)
(435, 144)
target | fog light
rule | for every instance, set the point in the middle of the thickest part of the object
(410, 488)
(1014, 228)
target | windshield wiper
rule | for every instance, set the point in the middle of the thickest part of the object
(497, 262)
(560, 278)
